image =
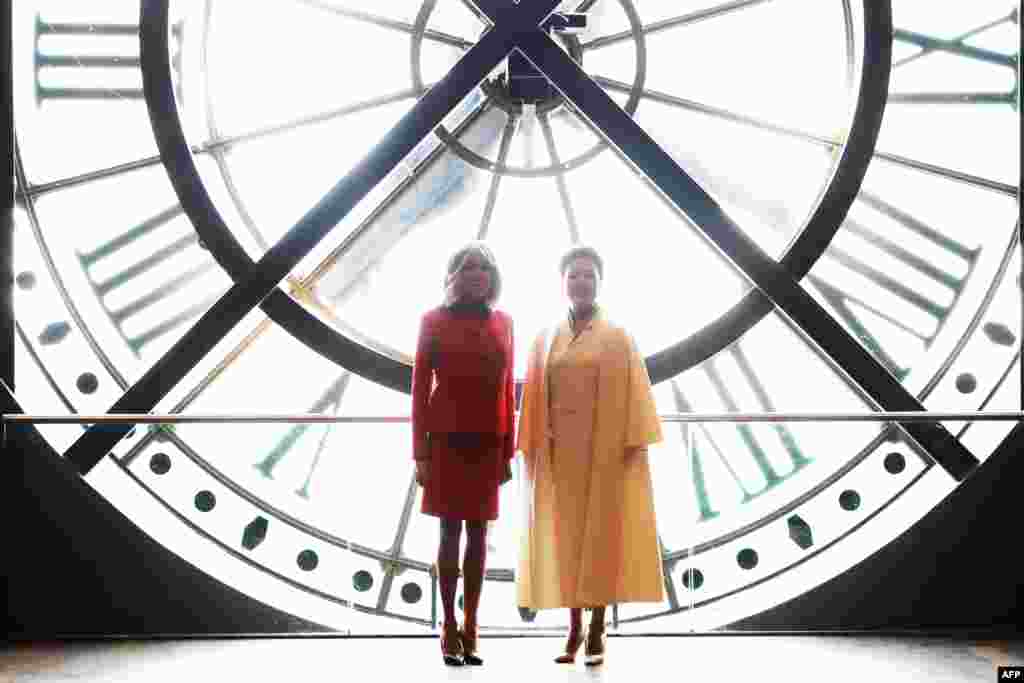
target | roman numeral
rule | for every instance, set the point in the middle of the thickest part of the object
(910, 273)
(870, 315)
(165, 271)
(749, 443)
(960, 48)
(106, 59)
(330, 401)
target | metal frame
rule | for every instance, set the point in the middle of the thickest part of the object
(7, 318)
(260, 283)
(556, 167)
(321, 418)
(392, 560)
(376, 364)
(773, 279)
(515, 27)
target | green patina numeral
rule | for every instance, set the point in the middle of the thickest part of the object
(754, 448)
(330, 401)
(109, 56)
(128, 274)
(841, 300)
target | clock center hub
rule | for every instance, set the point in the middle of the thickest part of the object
(520, 82)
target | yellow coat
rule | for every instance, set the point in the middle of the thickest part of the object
(589, 536)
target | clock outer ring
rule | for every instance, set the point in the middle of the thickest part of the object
(383, 369)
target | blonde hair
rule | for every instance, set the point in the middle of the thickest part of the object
(458, 260)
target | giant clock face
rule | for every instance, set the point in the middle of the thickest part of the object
(245, 207)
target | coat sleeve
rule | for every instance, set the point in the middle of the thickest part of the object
(510, 396)
(422, 383)
(643, 427)
(531, 394)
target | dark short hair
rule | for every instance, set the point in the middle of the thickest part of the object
(581, 252)
(459, 258)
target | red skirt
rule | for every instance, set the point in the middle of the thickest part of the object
(465, 474)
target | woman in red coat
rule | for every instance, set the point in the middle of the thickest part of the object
(463, 407)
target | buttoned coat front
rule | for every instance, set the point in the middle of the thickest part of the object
(589, 535)
(463, 409)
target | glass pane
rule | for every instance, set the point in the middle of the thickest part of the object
(280, 102)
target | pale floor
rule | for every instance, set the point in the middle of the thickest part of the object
(871, 659)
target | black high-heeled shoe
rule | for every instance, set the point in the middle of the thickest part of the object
(469, 655)
(451, 645)
(572, 646)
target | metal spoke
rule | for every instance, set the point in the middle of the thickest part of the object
(718, 112)
(761, 124)
(33, 191)
(385, 22)
(321, 117)
(492, 192)
(675, 22)
(666, 576)
(563, 190)
(949, 173)
(954, 98)
(395, 553)
(309, 231)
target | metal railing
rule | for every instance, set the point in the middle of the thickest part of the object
(318, 418)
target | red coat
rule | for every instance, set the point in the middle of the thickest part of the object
(462, 377)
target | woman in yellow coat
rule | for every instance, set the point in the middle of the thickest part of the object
(587, 417)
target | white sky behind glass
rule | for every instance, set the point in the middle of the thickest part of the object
(528, 232)
(290, 171)
(241, 103)
(282, 176)
(529, 225)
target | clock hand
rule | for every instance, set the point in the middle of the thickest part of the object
(771, 277)
(475, 65)
(903, 295)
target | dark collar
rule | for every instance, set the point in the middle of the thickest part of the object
(593, 316)
(472, 309)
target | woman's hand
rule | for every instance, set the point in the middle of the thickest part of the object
(422, 472)
(633, 452)
(506, 475)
